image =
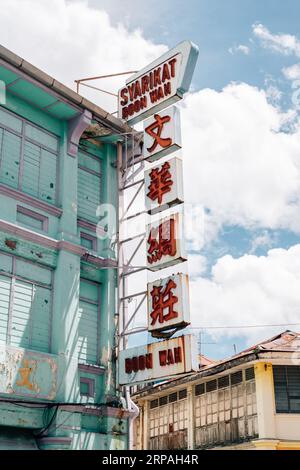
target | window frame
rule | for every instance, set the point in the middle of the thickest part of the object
(24, 138)
(98, 304)
(15, 277)
(288, 392)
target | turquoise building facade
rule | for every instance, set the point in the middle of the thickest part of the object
(58, 276)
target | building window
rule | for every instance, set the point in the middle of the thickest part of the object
(89, 186)
(168, 418)
(32, 219)
(88, 329)
(88, 241)
(28, 157)
(87, 387)
(25, 304)
(287, 388)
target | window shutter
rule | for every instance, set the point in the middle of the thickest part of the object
(20, 326)
(10, 159)
(40, 319)
(47, 187)
(88, 323)
(31, 169)
(89, 195)
(5, 286)
(89, 186)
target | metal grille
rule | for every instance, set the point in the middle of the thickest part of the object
(212, 385)
(236, 378)
(249, 373)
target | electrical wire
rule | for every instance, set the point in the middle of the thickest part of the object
(241, 326)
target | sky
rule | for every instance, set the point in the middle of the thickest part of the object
(240, 129)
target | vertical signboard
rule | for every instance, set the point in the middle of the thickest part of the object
(168, 303)
(164, 186)
(162, 134)
(150, 94)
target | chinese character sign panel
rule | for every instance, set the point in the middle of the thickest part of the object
(158, 360)
(168, 303)
(162, 134)
(164, 186)
(165, 243)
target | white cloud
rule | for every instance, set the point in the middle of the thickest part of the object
(266, 239)
(237, 162)
(197, 265)
(292, 73)
(71, 40)
(249, 291)
(286, 44)
(241, 48)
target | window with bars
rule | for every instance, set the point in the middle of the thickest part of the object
(25, 304)
(287, 388)
(168, 418)
(28, 157)
(88, 329)
(89, 186)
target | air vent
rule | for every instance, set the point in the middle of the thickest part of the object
(163, 401)
(153, 404)
(200, 389)
(236, 378)
(250, 373)
(223, 382)
(211, 386)
(173, 397)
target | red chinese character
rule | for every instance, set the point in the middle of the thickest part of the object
(161, 183)
(157, 126)
(162, 241)
(162, 301)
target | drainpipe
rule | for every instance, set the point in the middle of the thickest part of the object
(134, 413)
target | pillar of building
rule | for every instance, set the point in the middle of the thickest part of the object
(191, 420)
(65, 319)
(265, 400)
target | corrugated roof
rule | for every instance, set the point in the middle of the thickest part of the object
(287, 341)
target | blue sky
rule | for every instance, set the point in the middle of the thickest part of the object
(217, 26)
(241, 131)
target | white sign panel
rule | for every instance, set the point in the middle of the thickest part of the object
(164, 186)
(162, 134)
(168, 303)
(158, 85)
(165, 243)
(158, 360)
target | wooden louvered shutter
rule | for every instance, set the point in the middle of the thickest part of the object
(88, 323)
(89, 186)
(5, 287)
(10, 152)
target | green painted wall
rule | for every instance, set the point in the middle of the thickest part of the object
(58, 311)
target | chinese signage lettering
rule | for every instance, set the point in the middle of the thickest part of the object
(162, 134)
(168, 303)
(164, 186)
(160, 360)
(158, 85)
(146, 94)
(165, 244)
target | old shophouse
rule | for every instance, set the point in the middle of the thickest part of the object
(248, 402)
(57, 273)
